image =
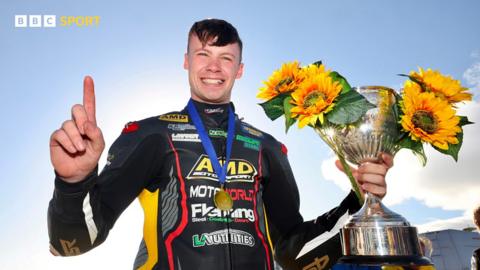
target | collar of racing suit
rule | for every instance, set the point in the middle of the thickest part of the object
(214, 115)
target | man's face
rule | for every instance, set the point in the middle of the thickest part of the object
(212, 70)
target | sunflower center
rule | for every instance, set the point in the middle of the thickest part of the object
(425, 120)
(283, 82)
(311, 98)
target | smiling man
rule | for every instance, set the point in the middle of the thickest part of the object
(213, 66)
(217, 192)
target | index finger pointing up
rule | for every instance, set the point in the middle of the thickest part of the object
(89, 99)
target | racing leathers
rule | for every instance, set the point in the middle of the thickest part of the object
(161, 161)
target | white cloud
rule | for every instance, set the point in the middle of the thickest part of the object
(457, 223)
(472, 76)
(331, 173)
(442, 183)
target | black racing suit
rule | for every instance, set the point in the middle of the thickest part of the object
(161, 161)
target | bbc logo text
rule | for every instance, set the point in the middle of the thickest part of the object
(50, 21)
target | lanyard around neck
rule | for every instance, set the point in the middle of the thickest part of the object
(221, 171)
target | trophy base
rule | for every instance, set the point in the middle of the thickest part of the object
(379, 232)
(383, 263)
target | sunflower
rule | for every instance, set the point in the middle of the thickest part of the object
(443, 86)
(313, 70)
(314, 97)
(429, 118)
(283, 80)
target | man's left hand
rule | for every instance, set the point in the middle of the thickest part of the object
(371, 176)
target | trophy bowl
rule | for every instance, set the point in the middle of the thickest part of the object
(374, 234)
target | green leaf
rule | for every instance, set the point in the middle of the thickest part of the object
(287, 106)
(274, 107)
(336, 77)
(317, 63)
(396, 106)
(349, 108)
(464, 121)
(453, 149)
(415, 146)
(415, 80)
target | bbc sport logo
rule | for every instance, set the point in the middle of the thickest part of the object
(50, 21)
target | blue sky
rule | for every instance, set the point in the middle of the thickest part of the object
(135, 55)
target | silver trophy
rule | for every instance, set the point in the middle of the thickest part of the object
(374, 233)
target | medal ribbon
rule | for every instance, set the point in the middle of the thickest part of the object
(221, 171)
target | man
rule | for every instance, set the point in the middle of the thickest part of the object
(171, 163)
(475, 262)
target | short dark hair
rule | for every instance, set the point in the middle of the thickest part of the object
(476, 217)
(219, 31)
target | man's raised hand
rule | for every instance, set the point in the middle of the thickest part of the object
(76, 147)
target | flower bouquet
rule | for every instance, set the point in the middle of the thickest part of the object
(316, 97)
(361, 123)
